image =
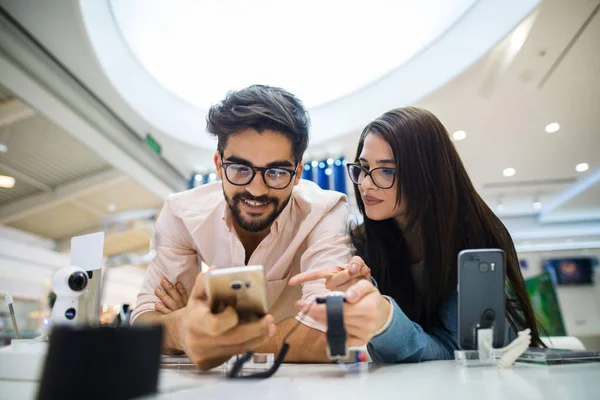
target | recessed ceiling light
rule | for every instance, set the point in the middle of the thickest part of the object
(459, 135)
(582, 167)
(112, 207)
(3, 148)
(315, 164)
(553, 127)
(7, 181)
(537, 205)
(330, 161)
(212, 176)
(509, 172)
(199, 177)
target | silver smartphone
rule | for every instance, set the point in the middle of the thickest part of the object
(481, 295)
(242, 288)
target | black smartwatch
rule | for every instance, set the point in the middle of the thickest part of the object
(336, 332)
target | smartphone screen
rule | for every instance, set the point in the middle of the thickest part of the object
(481, 296)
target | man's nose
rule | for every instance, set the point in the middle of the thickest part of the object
(257, 186)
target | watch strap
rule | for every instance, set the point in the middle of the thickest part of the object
(336, 332)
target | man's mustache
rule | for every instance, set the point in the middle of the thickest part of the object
(260, 199)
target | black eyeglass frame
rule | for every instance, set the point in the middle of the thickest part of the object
(369, 173)
(262, 170)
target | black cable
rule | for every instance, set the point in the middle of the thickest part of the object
(234, 372)
(239, 363)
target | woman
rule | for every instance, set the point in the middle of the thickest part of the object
(420, 210)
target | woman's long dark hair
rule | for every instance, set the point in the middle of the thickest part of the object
(443, 205)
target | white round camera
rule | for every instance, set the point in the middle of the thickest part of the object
(68, 284)
(70, 281)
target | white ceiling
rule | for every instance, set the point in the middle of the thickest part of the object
(550, 80)
(57, 25)
(34, 147)
(435, 62)
(85, 38)
(201, 50)
(63, 188)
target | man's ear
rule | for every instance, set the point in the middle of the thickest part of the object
(218, 165)
(298, 175)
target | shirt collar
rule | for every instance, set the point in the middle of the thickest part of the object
(227, 216)
(281, 220)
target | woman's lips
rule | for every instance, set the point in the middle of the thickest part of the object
(370, 200)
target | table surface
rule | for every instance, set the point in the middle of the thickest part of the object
(428, 380)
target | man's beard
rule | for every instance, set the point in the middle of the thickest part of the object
(255, 225)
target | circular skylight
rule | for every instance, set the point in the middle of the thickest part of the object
(318, 50)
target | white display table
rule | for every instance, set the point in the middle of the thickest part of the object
(429, 380)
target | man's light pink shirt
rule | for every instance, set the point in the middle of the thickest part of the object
(310, 233)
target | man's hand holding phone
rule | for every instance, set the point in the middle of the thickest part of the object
(211, 339)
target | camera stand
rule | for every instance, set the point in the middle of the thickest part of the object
(23, 359)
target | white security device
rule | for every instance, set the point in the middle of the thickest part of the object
(77, 287)
(68, 284)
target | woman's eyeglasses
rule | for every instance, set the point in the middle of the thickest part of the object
(382, 177)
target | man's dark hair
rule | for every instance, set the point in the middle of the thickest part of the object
(262, 108)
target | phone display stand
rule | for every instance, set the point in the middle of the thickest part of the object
(486, 355)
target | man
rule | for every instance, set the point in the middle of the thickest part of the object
(261, 213)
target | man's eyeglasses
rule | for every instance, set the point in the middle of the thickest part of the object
(383, 177)
(242, 174)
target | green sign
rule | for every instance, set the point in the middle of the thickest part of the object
(153, 144)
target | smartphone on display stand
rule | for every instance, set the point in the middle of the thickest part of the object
(481, 296)
(242, 288)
